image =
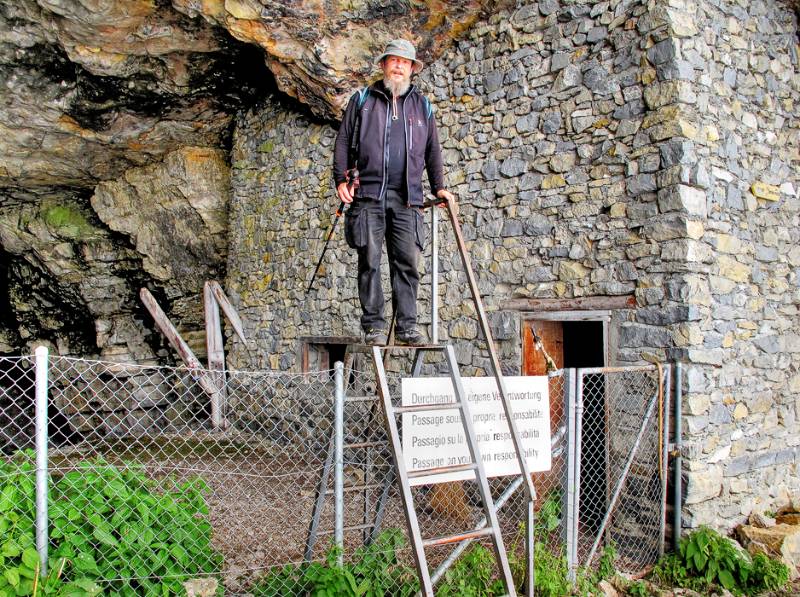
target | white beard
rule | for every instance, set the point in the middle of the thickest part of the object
(397, 88)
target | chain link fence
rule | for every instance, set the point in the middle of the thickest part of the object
(146, 494)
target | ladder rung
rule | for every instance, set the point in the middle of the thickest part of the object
(357, 527)
(441, 470)
(419, 408)
(364, 445)
(357, 488)
(360, 398)
(444, 540)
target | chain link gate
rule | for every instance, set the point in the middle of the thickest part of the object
(236, 504)
(622, 434)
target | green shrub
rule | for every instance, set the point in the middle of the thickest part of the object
(109, 527)
(637, 589)
(706, 559)
(373, 572)
(472, 575)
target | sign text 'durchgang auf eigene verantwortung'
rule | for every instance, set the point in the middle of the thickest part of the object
(433, 439)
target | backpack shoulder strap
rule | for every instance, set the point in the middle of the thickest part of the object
(362, 94)
(428, 107)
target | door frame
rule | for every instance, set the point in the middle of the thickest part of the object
(603, 316)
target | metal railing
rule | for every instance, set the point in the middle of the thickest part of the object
(132, 487)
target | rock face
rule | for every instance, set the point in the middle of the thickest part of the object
(92, 89)
(176, 215)
(76, 259)
(90, 93)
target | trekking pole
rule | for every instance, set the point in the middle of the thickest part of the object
(352, 176)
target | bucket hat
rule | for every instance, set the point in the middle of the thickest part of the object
(404, 49)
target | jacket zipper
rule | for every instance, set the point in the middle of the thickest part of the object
(409, 141)
(381, 195)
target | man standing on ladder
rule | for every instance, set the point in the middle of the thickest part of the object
(388, 135)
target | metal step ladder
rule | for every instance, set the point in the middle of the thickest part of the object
(525, 480)
(418, 542)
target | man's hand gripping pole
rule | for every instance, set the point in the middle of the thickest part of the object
(352, 178)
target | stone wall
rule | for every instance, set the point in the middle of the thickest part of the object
(540, 113)
(739, 63)
(590, 148)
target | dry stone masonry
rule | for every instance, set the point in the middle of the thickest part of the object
(600, 149)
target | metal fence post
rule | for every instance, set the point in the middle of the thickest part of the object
(667, 398)
(41, 456)
(678, 446)
(571, 487)
(576, 507)
(530, 549)
(338, 468)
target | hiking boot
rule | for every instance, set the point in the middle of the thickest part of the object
(409, 337)
(375, 337)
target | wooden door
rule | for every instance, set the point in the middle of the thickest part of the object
(551, 334)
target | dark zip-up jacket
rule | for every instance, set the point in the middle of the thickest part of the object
(422, 143)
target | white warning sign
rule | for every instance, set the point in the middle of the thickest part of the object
(433, 439)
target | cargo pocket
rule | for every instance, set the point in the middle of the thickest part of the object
(419, 228)
(355, 233)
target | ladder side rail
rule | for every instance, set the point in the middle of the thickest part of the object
(415, 537)
(480, 472)
(495, 361)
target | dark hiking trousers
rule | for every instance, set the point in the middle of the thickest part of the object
(367, 224)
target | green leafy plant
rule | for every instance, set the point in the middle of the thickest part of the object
(472, 575)
(548, 516)
(706, 559)
(373, 572)
(605, 565)
(767, 574)
(638, 589)
(109, 527)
